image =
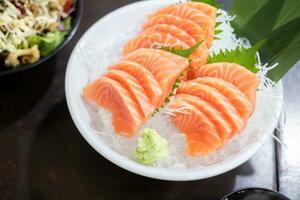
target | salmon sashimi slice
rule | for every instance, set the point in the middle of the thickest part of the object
(198, 146)
(201, 133)
(188, 26)
(195, 140)
(203, 7)
(190, 13)
(152, 40)
(242, 78)
(174, 31)
(144, 77)
(112, 96)
(135, 89)
(186, 40)
(163, 69)
(198, 57)
(233, 94)
(218, 118)
(178, 60)
(214, 97)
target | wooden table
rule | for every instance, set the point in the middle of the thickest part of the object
(43, 156)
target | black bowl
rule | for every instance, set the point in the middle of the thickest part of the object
(255, 194)
(76, 16)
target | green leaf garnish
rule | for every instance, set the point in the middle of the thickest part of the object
(245, 57)
(280, 30)
(218, 32)
(218, 24)
(175, 86)
(155, 112)
(168, 98)
(186, 53)
(213, 3)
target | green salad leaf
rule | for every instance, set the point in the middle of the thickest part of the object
(47, 43)
(67, 23)
(213, 3)
(186, 53)
(245, 57)
(277, 22)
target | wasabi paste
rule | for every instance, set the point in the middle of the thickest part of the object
(151, 147)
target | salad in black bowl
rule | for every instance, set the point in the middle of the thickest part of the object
(32, 31)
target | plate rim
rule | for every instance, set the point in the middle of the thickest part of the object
(152, 172)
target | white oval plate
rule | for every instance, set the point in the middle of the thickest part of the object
(83, 61)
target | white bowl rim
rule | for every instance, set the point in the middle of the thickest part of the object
(158, 173)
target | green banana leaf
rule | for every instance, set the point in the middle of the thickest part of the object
(277, 23)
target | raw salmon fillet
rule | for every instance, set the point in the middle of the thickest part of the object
(114, 97)
(190, 27)
(217, 117)
(196, 20)
(135, 89)
(174, 31)
(243, 79)
(179, 26)
(238, 99)
(198, 59)
(207, 9)
(162, 67)
(152, 40)
(168, 35)
(178, 60)
(190, 13)
(225, 93)
(144, 77)
(214, 97)
(215, 103)
(201, 133)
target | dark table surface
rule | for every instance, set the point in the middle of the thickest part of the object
(43, 156)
